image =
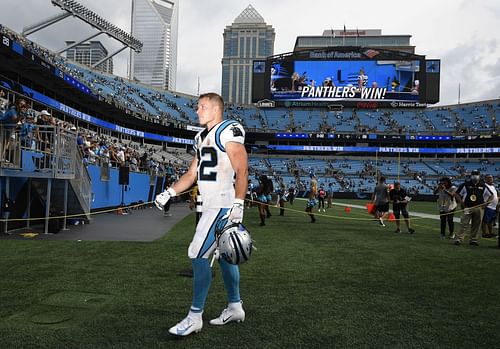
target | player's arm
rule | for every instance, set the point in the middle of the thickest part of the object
(239, 161)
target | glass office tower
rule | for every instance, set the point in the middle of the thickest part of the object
(155, 22)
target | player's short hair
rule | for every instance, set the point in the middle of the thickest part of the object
(214, 97)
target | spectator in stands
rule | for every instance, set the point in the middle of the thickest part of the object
(400, 199)
(380, 198)
(28, 132)
(13, 113)
(4, 103)
(472, 195)
(491, 209)
(447, 205)
(44, 136)
(120, 155)
(9, 120)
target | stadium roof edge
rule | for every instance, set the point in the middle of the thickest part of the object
(403, 54)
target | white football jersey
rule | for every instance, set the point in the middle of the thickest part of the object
(215, 173)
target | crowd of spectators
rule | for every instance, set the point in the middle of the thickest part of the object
(104, 150)
(35, 131)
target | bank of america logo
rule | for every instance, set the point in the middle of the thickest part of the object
(371, 53)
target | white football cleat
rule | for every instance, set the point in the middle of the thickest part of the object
(230, 314)
(187, 326)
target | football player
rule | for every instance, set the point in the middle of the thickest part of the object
(220, 168)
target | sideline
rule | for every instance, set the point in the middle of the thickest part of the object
(417, 214)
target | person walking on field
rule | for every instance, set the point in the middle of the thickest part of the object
(220, 168)
(380, 198)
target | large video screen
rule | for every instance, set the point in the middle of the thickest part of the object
(394, 82)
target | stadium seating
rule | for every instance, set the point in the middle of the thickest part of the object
(358, 175)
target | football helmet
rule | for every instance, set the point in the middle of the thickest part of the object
(234, 243)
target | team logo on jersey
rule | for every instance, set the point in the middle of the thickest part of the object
(236, 131)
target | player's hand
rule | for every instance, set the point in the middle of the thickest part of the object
(162, 198)
(235, 213)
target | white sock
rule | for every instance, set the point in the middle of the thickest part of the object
(235, 306)
(195, 314)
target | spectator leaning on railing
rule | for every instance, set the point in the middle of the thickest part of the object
(9, 120)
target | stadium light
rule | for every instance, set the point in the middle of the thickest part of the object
(90, 17)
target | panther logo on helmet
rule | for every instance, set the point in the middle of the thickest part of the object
(234, 243)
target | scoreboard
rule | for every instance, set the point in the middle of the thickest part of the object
(347, 76)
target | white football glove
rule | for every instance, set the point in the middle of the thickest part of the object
(235, 213)
(162, 198)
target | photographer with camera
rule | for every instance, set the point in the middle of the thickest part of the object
(447, 205)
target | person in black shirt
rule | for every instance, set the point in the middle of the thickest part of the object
(472, 196)
(400, 199)
(291, 194)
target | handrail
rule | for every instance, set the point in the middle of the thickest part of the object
(82, 184)
(47, 150)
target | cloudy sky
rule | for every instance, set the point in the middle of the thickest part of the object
(465, 35)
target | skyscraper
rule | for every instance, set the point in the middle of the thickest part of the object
(247, 39)
(155, 22)
(89, 53)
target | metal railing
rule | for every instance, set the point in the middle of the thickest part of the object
(82, 184)
(50, 150)
(46, 152)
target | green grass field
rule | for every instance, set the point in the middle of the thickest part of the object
(338, 283)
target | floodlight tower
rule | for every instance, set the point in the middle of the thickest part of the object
(73, 8)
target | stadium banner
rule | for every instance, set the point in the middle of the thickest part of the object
(349, 76)
(6, 41)
(194, 128)
(52, 103)
(327, 148)
(20, 50)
